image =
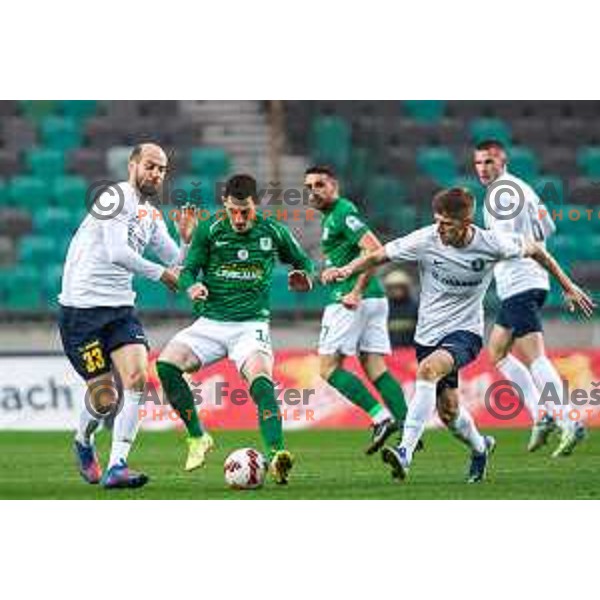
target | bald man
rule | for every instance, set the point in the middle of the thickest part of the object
(101, 334)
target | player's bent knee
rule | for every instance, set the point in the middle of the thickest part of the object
(135, 379)
(328, 364)
(429, 371)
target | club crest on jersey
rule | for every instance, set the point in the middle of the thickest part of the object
(478, 264)
(242, 254)
(266, 243)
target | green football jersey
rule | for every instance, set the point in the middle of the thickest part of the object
(237, 268)
(342, 228)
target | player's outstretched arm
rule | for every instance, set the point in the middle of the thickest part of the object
(574, 295)
(291, 252)
(358, 265)
(367, 243)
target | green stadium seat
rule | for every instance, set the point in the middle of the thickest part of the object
(213, 163)
(574, 220)
(46, 162)
(523, 162)
(38, 110)
(185, 189)
(588, 161)
(550, 190)
(429, 111)
(3, 193)
(61, 133)
(564, 246)
(385, 193)
(28, 192)
(52, 219)
(70, 191)
(331, 141)
(404, 219)
(79, 109)
(152, 295)
(489, 129)
(438, 163)
(360, 168)
(38, 250)
(51, 284)
(20, 288)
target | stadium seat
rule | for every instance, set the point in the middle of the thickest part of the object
(46, 163)
(213, 163)
(550, 190)
(385, 193)
(563, 246)
(522, 162)
(20, 288)
(201, 191)
(359, 169)
(486, 129)
(152, 295)
(88, 162)
(18, 133)
(438, 163)
(37, 110)
(28, 192)
(331, 141)
(51, 284)
(52, 219)
(3, 193)
(281, 298)
(61, 133)
(37, 250)
(70, 191)
(588, 161)
(78, 109)
(425, 110)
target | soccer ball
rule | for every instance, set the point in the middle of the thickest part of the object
(245, 469)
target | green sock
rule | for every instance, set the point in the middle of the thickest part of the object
(392, 395)
(353, 388)
(262, 391)
(179, 395)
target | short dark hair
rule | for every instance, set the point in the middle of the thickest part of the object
(456, 203)
(240, 187)
(490, 145)
(321, 170)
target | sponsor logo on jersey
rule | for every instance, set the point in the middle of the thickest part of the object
(454, 281)
(266, 243)
(236, 272)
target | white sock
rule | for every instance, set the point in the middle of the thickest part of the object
(380, 414)
(87, 426)
(125, 427)
(419, 412)
(543, 372)
(464, 428)
(514, 370)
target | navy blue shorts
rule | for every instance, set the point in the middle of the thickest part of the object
(521, 313)
(89, 335)
(464, 346)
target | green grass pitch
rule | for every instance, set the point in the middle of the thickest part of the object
(329, 465)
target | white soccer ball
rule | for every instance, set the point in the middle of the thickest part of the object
(245, 469)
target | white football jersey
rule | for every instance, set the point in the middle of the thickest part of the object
(533, 222)
(104, 254)
(453, 280)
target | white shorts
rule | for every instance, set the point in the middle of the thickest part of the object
(212, 340)
(345, 331)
